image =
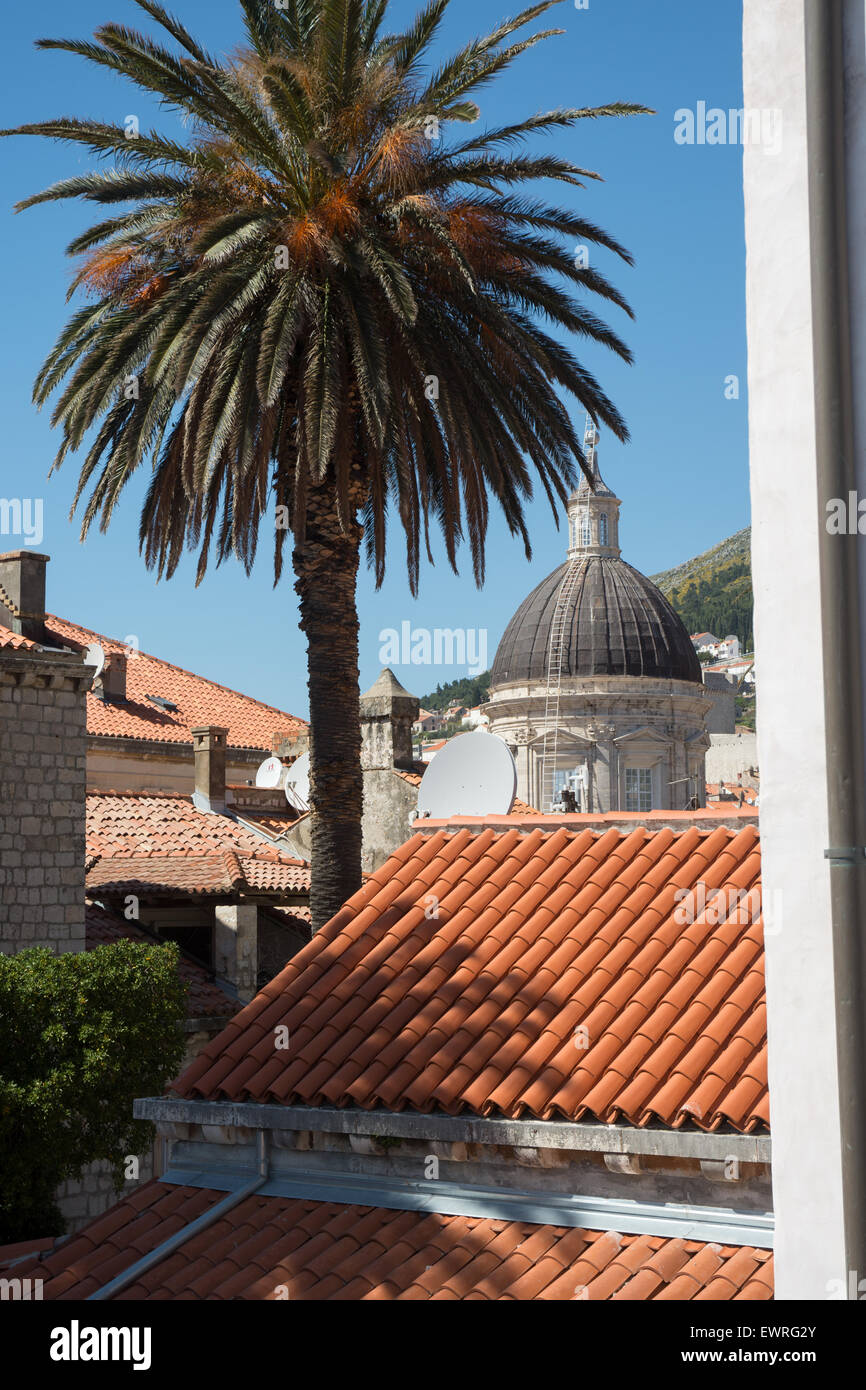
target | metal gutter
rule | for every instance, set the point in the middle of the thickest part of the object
(455, 1129)
(841, 617)
(726, 1226)
(201, 1223)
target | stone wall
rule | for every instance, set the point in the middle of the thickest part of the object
(722, 715)
(730, 755)
(93, 1193)
(42, 800)
(82, 1199)
(388, 804)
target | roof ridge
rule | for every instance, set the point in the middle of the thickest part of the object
(140, 796)
(182, 670)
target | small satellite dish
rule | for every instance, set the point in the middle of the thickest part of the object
(95, 656)
(473, 775)
(298, 784)
(271, 774)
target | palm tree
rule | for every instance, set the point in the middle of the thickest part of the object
(315, 313)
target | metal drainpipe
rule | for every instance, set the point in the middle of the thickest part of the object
(840, 597)
(201, 1223)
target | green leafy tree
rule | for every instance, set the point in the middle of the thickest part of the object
(470, 691)
(321, 311)
(81, 1035)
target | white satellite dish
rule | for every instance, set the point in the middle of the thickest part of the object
(473, 775)
(298, 784)
(271, 774)
(95, 656)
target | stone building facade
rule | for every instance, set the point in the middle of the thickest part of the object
(596, 686)
(43, 749)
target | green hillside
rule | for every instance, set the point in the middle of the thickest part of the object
(713, 592)
(471, 691)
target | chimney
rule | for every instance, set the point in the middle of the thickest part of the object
(209, 746)
(387, 715)
(22, 593)
(289, 745)
(111, 685)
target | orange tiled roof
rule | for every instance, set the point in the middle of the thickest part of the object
(273, 823)
(199, 702)
(558, 981)
(749, 794)
(270, 1248)
(161, 842)
(12, 641)
(204, 997)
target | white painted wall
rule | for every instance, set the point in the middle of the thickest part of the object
(807, 1163)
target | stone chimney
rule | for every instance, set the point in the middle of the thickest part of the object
(111, 685)
(387, 715)
(22, 593)
(209, 746)
(289, 745)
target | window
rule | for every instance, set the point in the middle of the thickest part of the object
(638, 789)
(570, 781)
(585, 529)
(602, 529)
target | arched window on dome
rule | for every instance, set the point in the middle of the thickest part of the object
(585, 529)
(603, 529)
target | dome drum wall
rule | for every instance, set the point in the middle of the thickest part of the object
(636, 738)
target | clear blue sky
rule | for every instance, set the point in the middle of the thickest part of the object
(679, 209)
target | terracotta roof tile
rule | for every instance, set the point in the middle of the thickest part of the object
(160, 843)
(553, 981)
(13, 641)
(199, 702)
(321, 1251)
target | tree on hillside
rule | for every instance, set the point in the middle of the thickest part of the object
(469, 691)
(319, 310)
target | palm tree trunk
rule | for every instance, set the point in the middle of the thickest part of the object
(326, 569)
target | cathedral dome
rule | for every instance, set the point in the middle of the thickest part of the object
(613, 621)
(616, 623)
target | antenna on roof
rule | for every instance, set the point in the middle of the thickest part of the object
(473, 775)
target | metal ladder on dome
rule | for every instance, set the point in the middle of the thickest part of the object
(556, 649)
(555, 653)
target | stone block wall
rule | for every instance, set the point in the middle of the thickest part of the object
(43, 749)
(87, 1197)
(722, 715)
(82, 1199)
(388, 804)
(730, 755)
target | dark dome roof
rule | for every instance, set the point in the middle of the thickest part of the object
(620, 625)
